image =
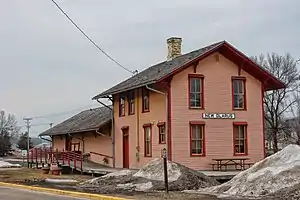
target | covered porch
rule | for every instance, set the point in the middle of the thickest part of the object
(87, 135)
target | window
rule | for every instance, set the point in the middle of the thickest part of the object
(121, 105)
(240, 138)
(239, 93)
(131, 103)
(161, 133)
(145, 94)
(197, 144)
(148, 140)
(196, 99)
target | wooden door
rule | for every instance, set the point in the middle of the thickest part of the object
(68, 143)
(125, 149)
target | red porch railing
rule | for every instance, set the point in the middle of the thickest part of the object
(73, 159)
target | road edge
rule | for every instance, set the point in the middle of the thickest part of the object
(61, 192)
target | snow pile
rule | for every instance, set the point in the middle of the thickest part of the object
(4, 164)
(137, 187)
(113, 175)
(154, 170)
(266, 177)
(150, 178)
(124, 172)
(50, 180)
(289, 193)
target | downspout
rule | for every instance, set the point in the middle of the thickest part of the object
(138, 148)
(112, 130)
(167, 118)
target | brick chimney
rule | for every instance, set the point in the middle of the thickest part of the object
(174, 47)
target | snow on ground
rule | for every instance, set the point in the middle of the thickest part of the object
(142, 187)
(154, 170)
(150, 178)
(124, 172)
(4, 164)
(50, 180)
(268, 176)
(91, 181)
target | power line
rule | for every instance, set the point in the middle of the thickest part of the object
(51, 115)
(60, 113)
(41, 124)
(94, 43)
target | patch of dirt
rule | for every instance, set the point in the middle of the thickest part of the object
(25, 175)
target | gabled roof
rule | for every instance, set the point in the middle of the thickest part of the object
(87, 120)
(165, 69)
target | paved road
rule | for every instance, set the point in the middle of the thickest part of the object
(18, 194)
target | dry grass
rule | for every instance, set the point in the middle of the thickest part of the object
(19, 175)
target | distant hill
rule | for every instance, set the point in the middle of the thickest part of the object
(35, 141)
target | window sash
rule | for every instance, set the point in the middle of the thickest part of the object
(238, 86)
(196, 92)
(197, 142)
(240, 139)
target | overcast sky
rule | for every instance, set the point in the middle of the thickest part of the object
(48, 67)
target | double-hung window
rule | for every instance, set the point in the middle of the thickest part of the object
(145, 100)
(196, 98)
(131, 108)
(122, 105)
(239, 93)
(197, 143)
(161, 133)
(240, 138)
(148, 140)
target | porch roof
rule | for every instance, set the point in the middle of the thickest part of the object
(87, 120)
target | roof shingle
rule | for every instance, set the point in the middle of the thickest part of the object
(156, 72)
(86, 120)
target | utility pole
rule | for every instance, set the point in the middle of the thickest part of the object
(27, 121)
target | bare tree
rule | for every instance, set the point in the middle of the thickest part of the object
(277, 103)
(292, 130)
(8, 129)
